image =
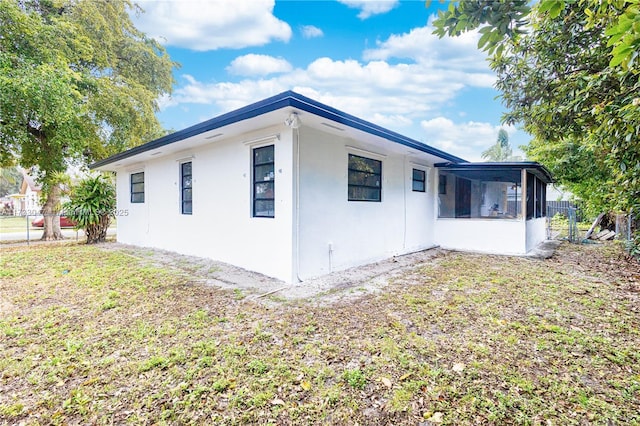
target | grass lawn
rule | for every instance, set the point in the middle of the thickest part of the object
(14, 223)
(96, 336)
(19, 224)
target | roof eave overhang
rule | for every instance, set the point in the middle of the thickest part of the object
(283, 100)
(534, 167)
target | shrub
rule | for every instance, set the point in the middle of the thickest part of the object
(91, 206)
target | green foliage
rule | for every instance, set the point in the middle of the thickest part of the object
(625, 35)
(355, 378)
(257, 367)
(501, 21)
(91, 206)
(221, 385)
(503, 138)
(572, 81)
(506, 17)
(10, 180)
(633, 245)
(77, 82)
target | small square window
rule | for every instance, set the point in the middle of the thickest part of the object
(419, 179)
(137, 187)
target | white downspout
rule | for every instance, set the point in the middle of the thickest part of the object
(296, 133)
(404, 187)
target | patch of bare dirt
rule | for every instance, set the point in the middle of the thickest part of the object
(6, 307)
(602, 261)
(337, 286)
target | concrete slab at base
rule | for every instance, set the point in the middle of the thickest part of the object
(545, 249)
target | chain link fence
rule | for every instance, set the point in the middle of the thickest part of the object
(567, 221)
(28, 228)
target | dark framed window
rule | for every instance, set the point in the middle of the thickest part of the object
(264, 181)
(419, 179)
(365, 179)
(186, 188)
(442, 184)
(137, 187)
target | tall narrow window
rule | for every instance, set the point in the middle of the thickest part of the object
(419, 177)
(442, 184)
(264, 181)
(186, 188)
(137, 187)
(543, 198)
(531, 196)
(538, 199)
(365, 179)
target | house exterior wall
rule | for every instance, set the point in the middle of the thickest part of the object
(536, 232)
(316, 229)
(498, 236)
(221, 226)
(29, 204)
(334, 233)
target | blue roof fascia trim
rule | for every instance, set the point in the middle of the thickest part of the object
(270, 104)
(282, 100)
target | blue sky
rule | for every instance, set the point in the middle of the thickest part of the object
(374, 59)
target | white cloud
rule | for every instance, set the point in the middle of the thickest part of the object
(369, 8)
(310, 31)
(422, 46)
(398, 86)
(252, 65)
(223, 96)
(364, 89)
(466, 140)
(391, 95)
(212, 24)
(376, 90)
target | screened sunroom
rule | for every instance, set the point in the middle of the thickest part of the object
(491, 207)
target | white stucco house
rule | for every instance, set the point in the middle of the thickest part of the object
(295, 189)
(27, 201)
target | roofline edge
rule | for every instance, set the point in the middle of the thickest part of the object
(273, 103)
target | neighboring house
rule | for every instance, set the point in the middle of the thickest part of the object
(294, 189)
(558, 193)
(27, 201)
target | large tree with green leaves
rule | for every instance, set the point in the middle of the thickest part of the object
(77, 82)
(10, 180)
(568, 71)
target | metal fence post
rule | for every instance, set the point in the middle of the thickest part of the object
(573, 225)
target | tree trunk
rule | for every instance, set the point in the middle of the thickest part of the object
(51, 215)
(97, 233)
